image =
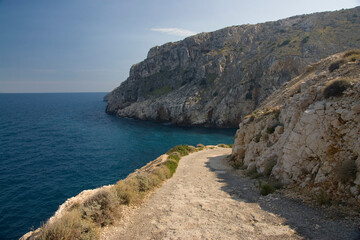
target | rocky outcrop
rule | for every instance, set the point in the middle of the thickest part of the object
(306, 134)
(216, 78)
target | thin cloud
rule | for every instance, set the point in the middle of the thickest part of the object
(174, 31)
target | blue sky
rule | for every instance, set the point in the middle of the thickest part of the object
(90, 45)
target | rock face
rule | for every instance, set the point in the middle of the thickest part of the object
(216, 78)
(307, 133)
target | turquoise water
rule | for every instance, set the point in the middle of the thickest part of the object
(53, 146)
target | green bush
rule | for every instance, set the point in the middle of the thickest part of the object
(266, 189)
(182, 149)
(171, 165)
(336, 88)
(174, 156)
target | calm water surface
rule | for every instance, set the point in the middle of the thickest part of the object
(53, 146)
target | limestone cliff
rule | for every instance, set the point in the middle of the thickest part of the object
(216, 78)
(307, 133)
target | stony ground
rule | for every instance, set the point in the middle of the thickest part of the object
(207, 199)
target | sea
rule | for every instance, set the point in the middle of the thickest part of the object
(54, 145)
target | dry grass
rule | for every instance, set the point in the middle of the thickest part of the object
(100, 208)
(84, 220)
(352, 55)
(70, 226)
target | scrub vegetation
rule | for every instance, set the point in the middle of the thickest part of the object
(85, 219)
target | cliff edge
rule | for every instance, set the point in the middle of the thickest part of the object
(215, 79)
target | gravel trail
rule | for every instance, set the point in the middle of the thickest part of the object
(205, 199)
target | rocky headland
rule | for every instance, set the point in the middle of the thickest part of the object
(215, 79)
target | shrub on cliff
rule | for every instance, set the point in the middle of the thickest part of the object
(174, 156)
(84, 219)
(182, 149)
(100, 208)
(336, 88)
(171, 165)
(69, 226)
(336, 65)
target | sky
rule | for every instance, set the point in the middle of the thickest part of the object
(90, 45)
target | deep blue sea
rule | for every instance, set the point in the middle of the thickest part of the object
(53, 146)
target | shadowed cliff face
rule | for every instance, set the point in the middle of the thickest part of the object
(214, 79)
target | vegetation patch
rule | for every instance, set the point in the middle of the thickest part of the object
(347, 171)
(336, 88)
(266, 189)
(352, 55)
(252, 172)
(336, 65)
(235, 163)
(175, 156)
(305, 39)
(84, 220)
(269, 165)
(224, 145)
(183, 150)
(171, 165)
(284, 43)
(322, 199)
(200, 147)
(70, 226)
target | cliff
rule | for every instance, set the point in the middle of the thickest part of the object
(306, 134)
(215, 79)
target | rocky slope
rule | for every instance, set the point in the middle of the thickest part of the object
(306, 134)
(216, 78)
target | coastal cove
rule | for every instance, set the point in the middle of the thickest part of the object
(53, 146)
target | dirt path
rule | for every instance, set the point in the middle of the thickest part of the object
(205, 200)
